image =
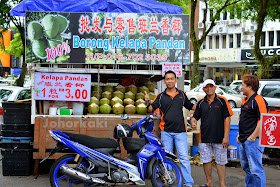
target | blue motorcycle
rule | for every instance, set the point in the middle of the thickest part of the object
(91, 161)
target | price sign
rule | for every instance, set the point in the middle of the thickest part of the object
(270, 130)
(62, 86)
(173, 66)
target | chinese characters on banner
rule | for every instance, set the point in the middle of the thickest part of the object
(270, 130)
(173, 66)
(106, 38)
(62, 86)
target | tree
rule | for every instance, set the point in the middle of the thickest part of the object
(261, 11)
(217, 6)
(5, 24)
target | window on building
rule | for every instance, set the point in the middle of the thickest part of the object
(231, 41)
(204, 45)
(224, 41)
(271, 38)
(217, 42)
(278, 38)
(210, 42)
(263, 39)
(238, 40)
(211, 14)
(225, 16)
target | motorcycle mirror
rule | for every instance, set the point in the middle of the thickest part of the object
(124, 117)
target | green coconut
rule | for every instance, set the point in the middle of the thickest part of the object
(51, 26)
(93, 108)
(128, 101)
(141, 109)
(116, 100)
(140, 96)
(55, 41)
(97, 88)
(118, 94)
(93, 100)
(105, 109)
(143, 89)
(130, 109)
(139, 101)
(120, 88)
(107, 95)
(39, 48)
(96, 94)
(132, 88)
(62, 22)
(118, 108)
(150, 86)
(104, 101)
(129, 95)
(108, 88)
(152, 96)
(35, 30)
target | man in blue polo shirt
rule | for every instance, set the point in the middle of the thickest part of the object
(173, 128)
(214, 112)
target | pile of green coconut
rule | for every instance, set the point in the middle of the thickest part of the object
(120, 99)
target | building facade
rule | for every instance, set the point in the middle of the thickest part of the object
(226, 54)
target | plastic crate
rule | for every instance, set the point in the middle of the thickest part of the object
(15, 133)
(16, 113)
(16, 162)
(22, 127)
(11, 143)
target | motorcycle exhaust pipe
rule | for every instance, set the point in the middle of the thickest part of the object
(79, 175)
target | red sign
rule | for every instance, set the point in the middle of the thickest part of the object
(173, 66)
(62, 86)
(270, 130)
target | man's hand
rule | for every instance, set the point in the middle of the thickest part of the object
(147, 98)
(194, 123)
(225, 142)
(237, 140)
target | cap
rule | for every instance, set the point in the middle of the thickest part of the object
(208, 81)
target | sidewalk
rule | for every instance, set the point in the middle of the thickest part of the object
(234, 177)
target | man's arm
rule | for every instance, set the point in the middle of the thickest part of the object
(194, 123)
(226, 132)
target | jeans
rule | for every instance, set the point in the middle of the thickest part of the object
(251, 162)
(181, 144)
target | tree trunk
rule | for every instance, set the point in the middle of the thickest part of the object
(195, 79)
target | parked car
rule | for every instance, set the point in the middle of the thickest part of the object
(270, 90)
(235, 84)
(12, 93)
(233, 97)
(187, 85)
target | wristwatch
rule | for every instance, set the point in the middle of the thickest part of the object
(149, 103)
(252, 138)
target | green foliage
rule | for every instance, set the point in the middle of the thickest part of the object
(182, 3)
(16, 47)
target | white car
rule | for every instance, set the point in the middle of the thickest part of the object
(12, 93)
(234, 99)
(235, 84)
(187, 85)
(270, 90)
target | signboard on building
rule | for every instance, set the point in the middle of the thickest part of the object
(62, 86)
(174, 66)
(106, 38)
(247, 54)
(229, 55)
(270, 130)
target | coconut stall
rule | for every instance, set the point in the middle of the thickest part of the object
(91, 62)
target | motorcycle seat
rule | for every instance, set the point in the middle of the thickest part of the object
(93, 142)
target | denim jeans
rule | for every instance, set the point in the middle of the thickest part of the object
(251, 162)
(180, 140)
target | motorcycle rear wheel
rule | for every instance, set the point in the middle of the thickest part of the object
(58, 179)
(159, 175)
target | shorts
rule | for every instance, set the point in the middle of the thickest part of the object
(220, 153)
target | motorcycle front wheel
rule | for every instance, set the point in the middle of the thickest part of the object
(58, 179)
(173, 176)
